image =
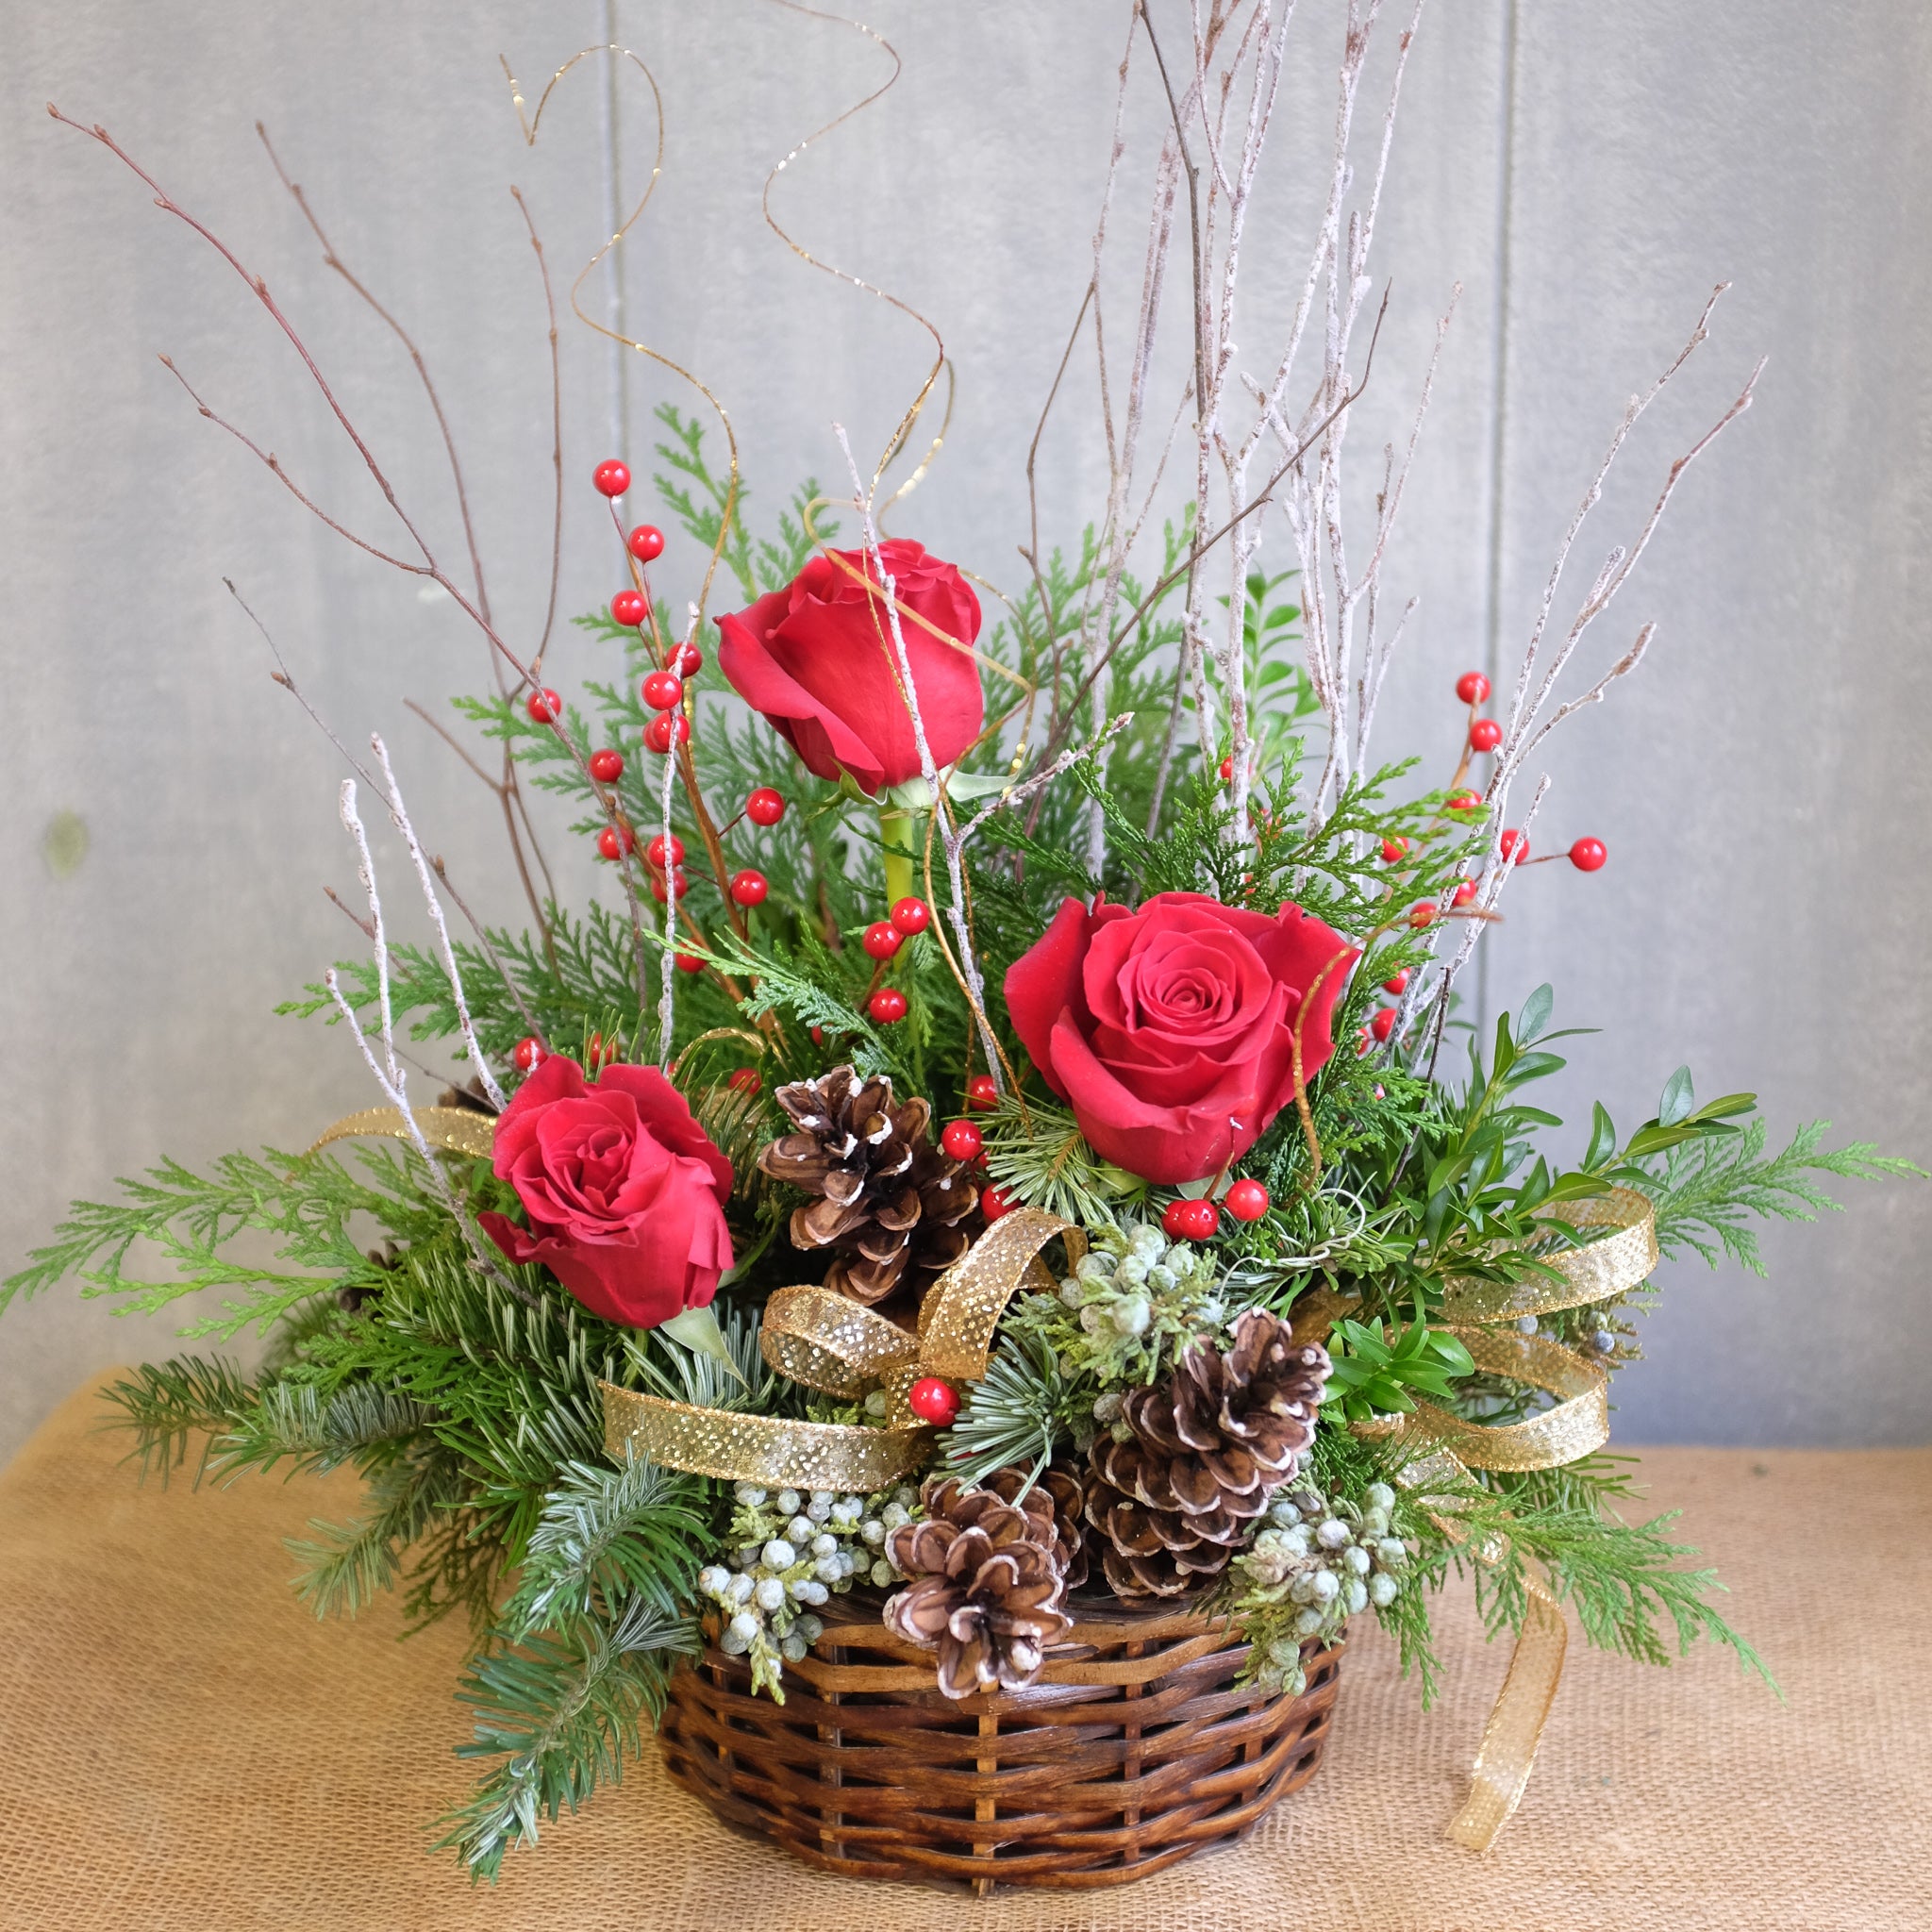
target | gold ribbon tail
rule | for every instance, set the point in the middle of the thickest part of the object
(1501, 1773)
(461, 1129)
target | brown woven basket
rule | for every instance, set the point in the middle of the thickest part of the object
(1134, 1751)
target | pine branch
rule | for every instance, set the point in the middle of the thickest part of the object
(1017, 1414)
(168, 1403)
(306, 1201)
(1041, 1159)
(608, 1534)
(344, 1571)
(1702, 1191)
(560, 1714)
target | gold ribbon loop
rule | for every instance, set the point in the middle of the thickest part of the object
(759, 1448)
(957, 1318)
(831, 1343)
(1610, 1266)
(1578, 1426)
(461, 1129)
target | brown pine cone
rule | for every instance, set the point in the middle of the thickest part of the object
(1054, 1505)
(890, 1201)
(984, 1593)
(1210, 1445)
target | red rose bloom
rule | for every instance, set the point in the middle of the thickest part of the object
(625, 1191)
(1168, 1030)
(817, 660)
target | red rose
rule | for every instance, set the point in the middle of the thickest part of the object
(1168, 1029)
(817, 660)
(625, 1191)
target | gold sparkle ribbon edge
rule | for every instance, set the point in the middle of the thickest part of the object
(1448, 1447)
(458, 1129)
(829, 1343)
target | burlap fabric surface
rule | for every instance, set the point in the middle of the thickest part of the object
(184, 1746)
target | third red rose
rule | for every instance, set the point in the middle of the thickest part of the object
(1171, 1029)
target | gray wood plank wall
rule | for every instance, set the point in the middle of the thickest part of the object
(1586, 171)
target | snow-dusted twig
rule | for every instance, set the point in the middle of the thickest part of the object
(1019, 794)
(667, 966)
(399, 817)
(388, 1072)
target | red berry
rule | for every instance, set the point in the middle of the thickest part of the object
(1485, 735)
(932, 1401)
(1399, 984)
(817, 1036)
(1394, 849)
(1514, 846)
(686, 660)
(613, 841)
(689, 963)
(1588, 855)
(681, 883)
(530, 1054)
(1464, 892)
(744, 1081)
(1382, 1025)
(750, 888)
(882, 941)
(646, 543)
(655, 850)
(597, 1055)
(886, 1005)
(912, 916)
(657, 732)
(980, 1092)
(1200, 1221)
(545, 707)
(630, 608)
(1472, 687)
(992, 1203)
(765, 806)
(613, 479)
(663, 691)
(1227, 770)
(607, 767)
(1464, 801)
(1422, 915)
(1170, 1220)
(1246, 1200)
(962, 1140)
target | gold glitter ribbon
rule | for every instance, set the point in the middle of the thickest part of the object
(758, 1448)
(1448, 1447)
(1612, 1265)
(461, 1129)
(828, 1343)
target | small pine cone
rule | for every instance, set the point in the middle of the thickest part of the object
(890, 1201)
(1055, 1504)
(984, 1593)
(1209, 1445)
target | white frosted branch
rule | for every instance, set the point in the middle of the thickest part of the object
(399, 817)
(667, 996)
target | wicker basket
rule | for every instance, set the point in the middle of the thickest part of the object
(1134, 1751)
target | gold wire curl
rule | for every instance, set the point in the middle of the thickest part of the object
(530, 124)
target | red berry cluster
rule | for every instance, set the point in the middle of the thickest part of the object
(882, 941)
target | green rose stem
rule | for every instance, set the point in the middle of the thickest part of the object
(896, 833)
